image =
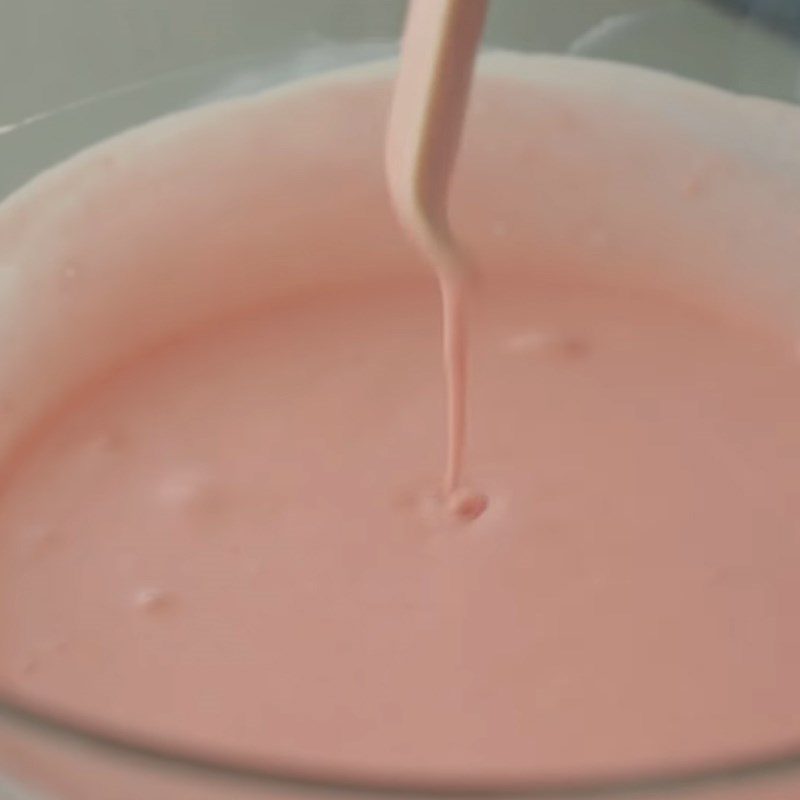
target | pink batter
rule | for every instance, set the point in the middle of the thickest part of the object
(234, 542)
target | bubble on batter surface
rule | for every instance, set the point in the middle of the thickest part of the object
(548, 344)
(153, 600)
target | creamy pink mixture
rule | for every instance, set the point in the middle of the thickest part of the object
(234, 542)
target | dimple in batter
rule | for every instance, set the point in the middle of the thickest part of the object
(233, 542)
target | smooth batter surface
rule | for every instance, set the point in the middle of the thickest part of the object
(233, 542)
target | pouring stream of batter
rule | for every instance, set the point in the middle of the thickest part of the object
(439, 47)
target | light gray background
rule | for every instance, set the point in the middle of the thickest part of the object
(179, 53)
(56, 51)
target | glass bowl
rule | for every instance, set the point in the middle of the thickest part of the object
(95, 68)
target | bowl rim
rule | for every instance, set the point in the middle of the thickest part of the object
(195, 763)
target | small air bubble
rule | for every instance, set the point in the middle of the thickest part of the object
(467, 505)
(194, 492)
(543, 343)
(152, 600)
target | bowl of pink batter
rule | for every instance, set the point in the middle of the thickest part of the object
(224, 569)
